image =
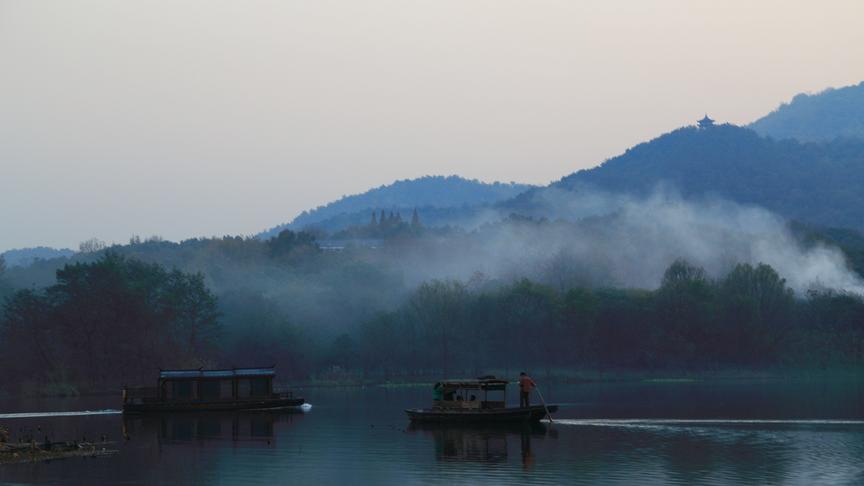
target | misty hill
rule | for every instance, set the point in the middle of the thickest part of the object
(817, 117)
(461, 216)
(431, 193)
(816, 183)
(25, 256)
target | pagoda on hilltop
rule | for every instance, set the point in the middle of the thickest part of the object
(706, 122)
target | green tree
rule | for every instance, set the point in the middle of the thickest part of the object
(289, 243)
(579, 318)
(684, 312)
(757, 307)
(112, 321)
(440, 310)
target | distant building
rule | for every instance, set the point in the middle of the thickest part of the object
(706, 122)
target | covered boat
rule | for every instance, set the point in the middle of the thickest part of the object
(204, 390)
(480, 400)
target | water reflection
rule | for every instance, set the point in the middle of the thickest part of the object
(608, 434)
(184, 428)
(481, 443)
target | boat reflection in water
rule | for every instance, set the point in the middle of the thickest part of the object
(183, 428)
(489, 443)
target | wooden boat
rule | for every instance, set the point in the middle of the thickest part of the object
(457, 401)
(209, 390)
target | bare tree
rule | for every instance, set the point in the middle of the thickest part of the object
(91, 246)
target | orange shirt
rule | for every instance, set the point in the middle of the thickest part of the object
(526, 384)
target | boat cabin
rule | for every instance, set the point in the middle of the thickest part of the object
(207, 385)
(486, 393)
(198, 390)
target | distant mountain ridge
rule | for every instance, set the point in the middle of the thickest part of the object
(818, 117)
(804, 161)
(434, 193)
(23, 257)
(818, 183)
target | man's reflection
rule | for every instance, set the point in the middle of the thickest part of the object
(527, 455)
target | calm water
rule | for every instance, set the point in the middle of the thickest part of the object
(657, 433)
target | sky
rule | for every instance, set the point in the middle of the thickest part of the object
(184, 118)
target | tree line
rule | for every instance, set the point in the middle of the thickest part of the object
(748, 319)
(117, 320)
(109, 322)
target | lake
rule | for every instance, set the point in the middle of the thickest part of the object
(719, 432)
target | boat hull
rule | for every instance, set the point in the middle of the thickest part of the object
(215, 406)
(522, 414)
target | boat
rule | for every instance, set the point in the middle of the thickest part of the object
(235, 389)
(458, 401)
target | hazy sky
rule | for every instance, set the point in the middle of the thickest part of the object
(187, 118)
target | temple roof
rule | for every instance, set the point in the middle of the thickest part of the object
(704, 122)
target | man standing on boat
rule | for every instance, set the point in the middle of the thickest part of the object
(526, 384)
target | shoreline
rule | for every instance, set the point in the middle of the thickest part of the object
(557, 376)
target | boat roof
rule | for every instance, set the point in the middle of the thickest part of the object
(478, 383)
(232, 373)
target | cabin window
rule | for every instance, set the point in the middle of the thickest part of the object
(260, 387)
(243, 388)
(208, 390)
(180, 390)
(226, 389)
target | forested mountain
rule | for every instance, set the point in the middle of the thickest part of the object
(618, 292)
(660, 258)
(818, 183)
(25, 256)
(430, 192)
(817, 117)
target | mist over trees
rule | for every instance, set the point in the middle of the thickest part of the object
(115, 316)
(815, 183)
(23, 257)
(118, 320)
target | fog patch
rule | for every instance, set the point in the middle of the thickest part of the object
(599, 238)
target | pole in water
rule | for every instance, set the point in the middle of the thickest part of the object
(544, 404)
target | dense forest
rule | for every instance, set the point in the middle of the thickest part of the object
(817, 117)
(114, 316)
(105, 323)
(747, 319)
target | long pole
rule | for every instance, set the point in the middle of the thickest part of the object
(544, 403)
